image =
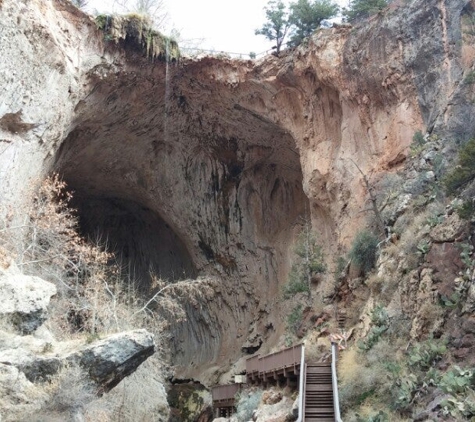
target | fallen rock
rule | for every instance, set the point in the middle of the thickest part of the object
(278, 412)
(25, 300)
(450, 230)
(112, 359)
(107, 361)
(271, 397)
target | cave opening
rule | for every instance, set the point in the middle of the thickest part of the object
(142, 242)
(216, 191)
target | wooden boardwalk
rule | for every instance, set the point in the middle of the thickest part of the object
(224, 399)
(317, 383)
(282, 366)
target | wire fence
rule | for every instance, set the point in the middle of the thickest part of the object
(192, 51)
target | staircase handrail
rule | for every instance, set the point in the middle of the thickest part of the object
(302, 386)
(336, 400)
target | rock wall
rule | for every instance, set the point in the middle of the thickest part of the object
(218, 160)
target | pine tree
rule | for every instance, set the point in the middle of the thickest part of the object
(306, 17)
(360, 9)
(277, 25)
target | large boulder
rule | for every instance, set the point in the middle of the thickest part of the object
(452, 229)
(24, 300)
(110, 360)
(277, 412)
(106, 361)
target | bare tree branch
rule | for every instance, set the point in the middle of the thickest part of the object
(373, 199)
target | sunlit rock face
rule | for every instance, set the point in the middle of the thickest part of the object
(208, 167)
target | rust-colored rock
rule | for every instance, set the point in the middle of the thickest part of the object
(444, 258)
(206, 166)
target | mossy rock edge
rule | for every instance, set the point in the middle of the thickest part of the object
(136, 32)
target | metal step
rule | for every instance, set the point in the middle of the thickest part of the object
(318, 393)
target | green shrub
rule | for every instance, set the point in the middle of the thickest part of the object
(450, 302)
(103, 21)
(404, 391)
(456, 380)
(297, 284)
(425, 354)
(418, 142)
(459, 408)
(470, 78)
(364, 250)
(423, 247)
(294, 319)
(306, 16)
(418, 138)
(466, 210)
(308, 263)
(380, 321)
(464, 172)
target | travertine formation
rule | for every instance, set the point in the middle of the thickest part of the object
(209, 166)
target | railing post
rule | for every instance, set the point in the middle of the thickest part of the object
(336, 399)
(302, 385)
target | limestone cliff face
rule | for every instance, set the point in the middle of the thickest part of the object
(205, 167)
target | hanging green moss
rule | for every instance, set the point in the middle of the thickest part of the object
(136, 32)
(101, 21)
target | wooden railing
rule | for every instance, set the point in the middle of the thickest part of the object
(225, 392)
(284, 364)
(252, 365)
(275, 361)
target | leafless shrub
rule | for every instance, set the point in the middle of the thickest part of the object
(96, 296)
(155, 10)
(44, 236)
(69, 392)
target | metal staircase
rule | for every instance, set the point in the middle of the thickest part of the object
(318, 390)
(319, 404)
